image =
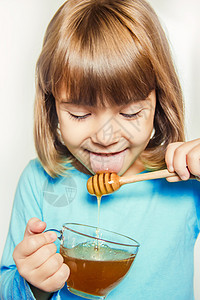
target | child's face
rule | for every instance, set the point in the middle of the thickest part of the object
(107, 138)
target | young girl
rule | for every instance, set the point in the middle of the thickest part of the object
(107, 99)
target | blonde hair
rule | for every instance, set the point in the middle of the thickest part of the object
(106, 49)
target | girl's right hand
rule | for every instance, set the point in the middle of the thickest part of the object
(36, 258)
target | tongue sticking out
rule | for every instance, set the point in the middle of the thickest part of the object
(109, 162)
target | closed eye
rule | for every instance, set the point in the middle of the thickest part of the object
(131, 116)
(79, 117)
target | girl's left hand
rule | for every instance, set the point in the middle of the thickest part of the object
(184, 159)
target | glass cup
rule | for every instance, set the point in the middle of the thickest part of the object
(98, 258)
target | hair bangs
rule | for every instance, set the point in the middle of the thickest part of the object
(96, 67)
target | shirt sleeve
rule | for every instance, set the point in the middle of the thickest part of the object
(27, 204)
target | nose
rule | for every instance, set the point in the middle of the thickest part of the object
(107, 133)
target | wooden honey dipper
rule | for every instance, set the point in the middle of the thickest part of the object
(105, 183)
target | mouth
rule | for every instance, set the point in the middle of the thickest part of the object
(107, 162)
(106, 153)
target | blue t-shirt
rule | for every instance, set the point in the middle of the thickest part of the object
(163, 217)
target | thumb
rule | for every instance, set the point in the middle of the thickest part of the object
(34, 226)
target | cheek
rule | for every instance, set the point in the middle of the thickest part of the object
(73, 134)
(140, 131)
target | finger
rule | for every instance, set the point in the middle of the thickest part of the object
(34, 242)
(193, 160)
(57, 280)
(41, 255)
(169, 156)
(34, 226)
(180, 160)
(180, 163)
(49, 268)
(173, 179)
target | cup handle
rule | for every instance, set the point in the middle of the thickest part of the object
(57, 231)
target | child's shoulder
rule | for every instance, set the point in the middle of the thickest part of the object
(34, 171)
(184, 185)
(34, 168)
(32, 175)
(189, 188)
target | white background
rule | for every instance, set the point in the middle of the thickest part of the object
(22, 27)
